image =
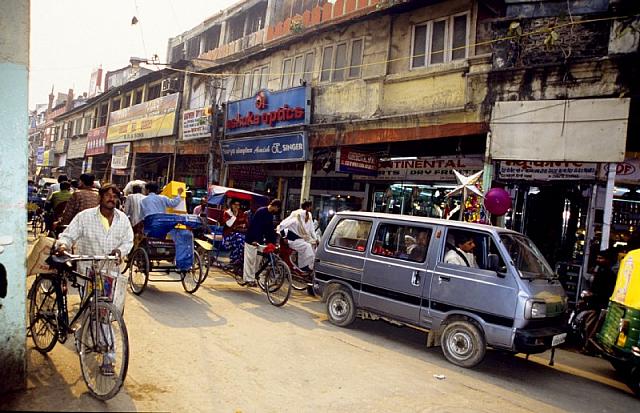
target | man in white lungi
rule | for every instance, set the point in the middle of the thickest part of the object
(299, 230)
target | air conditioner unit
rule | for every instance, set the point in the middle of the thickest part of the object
(169, 86)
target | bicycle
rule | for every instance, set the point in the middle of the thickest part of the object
(273, 276)
(37, 222)
(101, 340)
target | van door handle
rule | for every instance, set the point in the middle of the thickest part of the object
(443, 278)
(415, 278)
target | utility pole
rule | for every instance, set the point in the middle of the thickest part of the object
(216, 87)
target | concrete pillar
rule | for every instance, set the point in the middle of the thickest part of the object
(305, 189)
(14, 61)
(223, 34)
(608, 207)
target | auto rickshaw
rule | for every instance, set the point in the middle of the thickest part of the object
(619, 336)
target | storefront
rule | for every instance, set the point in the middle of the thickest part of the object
(551, 203)
(193, 149)
(266, 138)
(553, 157)
(97, 157)
(75, 156)
(150, 130)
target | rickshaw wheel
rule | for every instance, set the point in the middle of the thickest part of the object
(634, 381)
(192, 278)
(139, 271)
(623, 368)
(206, 264)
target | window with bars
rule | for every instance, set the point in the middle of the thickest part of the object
(297, 69)
(440, 41)
(342, 61)
(255, 80)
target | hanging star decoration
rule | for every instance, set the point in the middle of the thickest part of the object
(466, 183)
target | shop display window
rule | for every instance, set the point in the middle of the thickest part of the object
(410, 199)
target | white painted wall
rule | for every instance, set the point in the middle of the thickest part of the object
(14, 60)
(580, 130)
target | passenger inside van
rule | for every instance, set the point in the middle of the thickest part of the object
(462, 253)
(419, 252)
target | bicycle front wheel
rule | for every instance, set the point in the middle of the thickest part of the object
(278, 283)
(43, 313)
(104, 350)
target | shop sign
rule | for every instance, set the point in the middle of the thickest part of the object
(120, 155)
(269, 110)
(96, 139)
(145, 120)
(627, 172)
(352, 161)
(47, 158)
(77, 148)
(280, 148)
(40, 156)
(62, 160)
(60, 146)
(547, 171)
(196, 123)
(432, 169)
(87, 165)
(247, 173)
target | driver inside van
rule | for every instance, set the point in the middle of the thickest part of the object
(462, 254)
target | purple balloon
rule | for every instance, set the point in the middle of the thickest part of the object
(497, 201)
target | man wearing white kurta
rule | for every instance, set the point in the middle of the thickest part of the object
(463, 253)
(299, 230)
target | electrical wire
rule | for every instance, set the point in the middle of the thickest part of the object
(405, 58)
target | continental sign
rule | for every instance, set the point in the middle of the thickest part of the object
(146, 120)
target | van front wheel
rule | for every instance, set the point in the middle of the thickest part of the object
(340, 307)
(463, 344)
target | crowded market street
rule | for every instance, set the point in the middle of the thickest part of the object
(225, 348)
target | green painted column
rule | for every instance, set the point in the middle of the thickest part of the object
(14, 75)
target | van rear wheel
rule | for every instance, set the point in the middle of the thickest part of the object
(340, 307)
(463, 344)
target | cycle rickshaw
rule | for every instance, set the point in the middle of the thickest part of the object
(273, 275)
(153, 252)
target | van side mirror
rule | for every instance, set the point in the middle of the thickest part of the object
(493, 264)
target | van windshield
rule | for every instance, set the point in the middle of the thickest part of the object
(526, 257)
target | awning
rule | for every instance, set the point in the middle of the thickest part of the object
(218, 194)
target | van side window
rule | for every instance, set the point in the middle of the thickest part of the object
(469, 249)
(402, 241)
(351, 234)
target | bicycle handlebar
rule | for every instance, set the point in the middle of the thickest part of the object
(77, 257)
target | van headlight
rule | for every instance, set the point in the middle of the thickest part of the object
(535, 309)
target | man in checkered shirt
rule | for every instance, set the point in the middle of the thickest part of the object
(103, 230)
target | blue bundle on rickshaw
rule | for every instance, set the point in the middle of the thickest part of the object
(159, 225)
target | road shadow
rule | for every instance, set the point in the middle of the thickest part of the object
(254, 301)
(557, 386)
(172, 308)
(49, 390)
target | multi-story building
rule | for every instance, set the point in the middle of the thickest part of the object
(128, 131)
(389, 97)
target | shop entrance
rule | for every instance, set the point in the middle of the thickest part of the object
(554, 216)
